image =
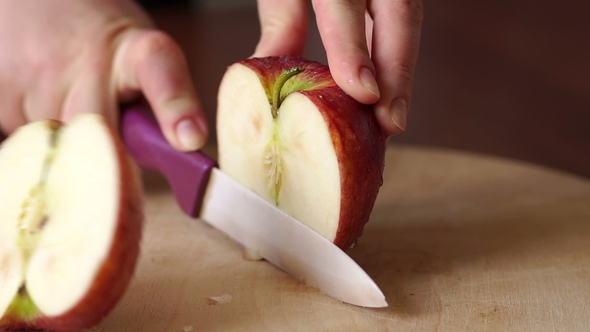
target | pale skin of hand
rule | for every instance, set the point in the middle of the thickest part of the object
(371, 46)
(71, 56)
(60, 58)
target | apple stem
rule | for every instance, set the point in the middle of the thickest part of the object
(279, 83)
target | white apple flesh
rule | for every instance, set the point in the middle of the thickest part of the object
(287, 132)
(71, 214)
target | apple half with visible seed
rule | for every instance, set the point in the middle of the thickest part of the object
(71, 215)
(287, 132)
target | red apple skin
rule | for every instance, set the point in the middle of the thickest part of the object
(118, 269)
(356, 135)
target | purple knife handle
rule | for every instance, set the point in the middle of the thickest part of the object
(187, 172)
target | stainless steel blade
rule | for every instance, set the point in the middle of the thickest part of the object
(286, 243)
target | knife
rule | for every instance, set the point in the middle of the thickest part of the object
(203, 191)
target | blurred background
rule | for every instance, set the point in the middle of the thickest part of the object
(506, 78)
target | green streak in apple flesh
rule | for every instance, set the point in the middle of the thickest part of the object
(273, 163)
(33, 219)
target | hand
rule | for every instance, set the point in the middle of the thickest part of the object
(371, 45)
(62, 57)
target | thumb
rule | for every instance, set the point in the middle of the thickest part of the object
(151, 62)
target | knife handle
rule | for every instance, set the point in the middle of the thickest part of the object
(187, 172)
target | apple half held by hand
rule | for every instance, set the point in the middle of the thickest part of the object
(71, 215)
(287, 132)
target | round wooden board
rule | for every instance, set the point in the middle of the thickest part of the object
(457, 242)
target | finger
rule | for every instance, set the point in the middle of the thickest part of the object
(89, 93)
(396, 39)
(34, 98)
(283, 27)
(12, 115)
(151, 62)
(369, 30)
(341, 26)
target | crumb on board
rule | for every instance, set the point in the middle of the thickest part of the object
(251, 254)
(188, 328)
(213, 300)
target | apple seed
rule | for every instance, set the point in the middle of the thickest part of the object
(273, 164)
(31, 219)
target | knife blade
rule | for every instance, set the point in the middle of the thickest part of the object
(203, 191)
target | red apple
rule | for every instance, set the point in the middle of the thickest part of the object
(291, 135)
(71, 215)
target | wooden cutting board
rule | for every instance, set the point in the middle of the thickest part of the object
(457, 242)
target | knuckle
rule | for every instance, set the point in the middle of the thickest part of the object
(154, 41)
(415, 5)
(357, 7)
(403, 70)
(354, 7)
(414, 11)
(280, 23)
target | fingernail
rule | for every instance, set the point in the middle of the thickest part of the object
(202, 124)
(369, 81)
(399, 112)
(189, 134)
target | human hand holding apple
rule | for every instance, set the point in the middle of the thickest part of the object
(371, 47)
(71, 214)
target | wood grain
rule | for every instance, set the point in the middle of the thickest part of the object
(457, 242)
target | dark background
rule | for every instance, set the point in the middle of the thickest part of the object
(507, 78)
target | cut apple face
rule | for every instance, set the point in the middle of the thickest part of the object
(71, 214)
(287, 132)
